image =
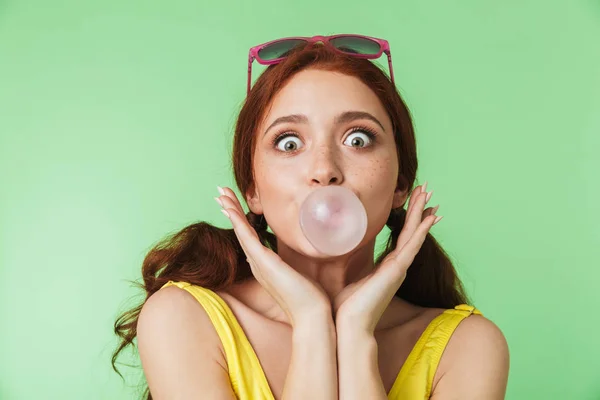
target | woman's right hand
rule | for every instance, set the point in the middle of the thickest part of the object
(297, 295)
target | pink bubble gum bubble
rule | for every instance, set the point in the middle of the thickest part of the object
(333, 220)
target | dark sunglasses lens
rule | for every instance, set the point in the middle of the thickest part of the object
(356, 45)
(278, 49)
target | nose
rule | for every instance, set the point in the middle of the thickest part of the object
(324, 168)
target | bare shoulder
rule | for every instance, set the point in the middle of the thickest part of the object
(172, 316)
(169, 311)
(179, 348)
(475, 362)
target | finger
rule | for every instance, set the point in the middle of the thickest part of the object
(416, 192)
(388, 270)
(388, 277)
(227, 192)
(430, 211)
(228, 204)
(246, 235)
(413, 245)
(413, 219)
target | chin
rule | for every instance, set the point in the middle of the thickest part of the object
(310, 251)
(302, 246)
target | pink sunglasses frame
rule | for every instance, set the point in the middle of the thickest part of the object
(384, 47)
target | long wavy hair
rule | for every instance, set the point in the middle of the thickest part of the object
(208, 256)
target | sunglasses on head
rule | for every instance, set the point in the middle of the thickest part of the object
(354, 45)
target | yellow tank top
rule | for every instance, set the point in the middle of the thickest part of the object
(248, 378)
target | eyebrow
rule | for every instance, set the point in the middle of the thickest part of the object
(345, 117)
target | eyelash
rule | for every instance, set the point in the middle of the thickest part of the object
(368, 131)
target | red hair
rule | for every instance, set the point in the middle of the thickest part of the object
(208, 256)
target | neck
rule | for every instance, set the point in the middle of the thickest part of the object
(333, 274)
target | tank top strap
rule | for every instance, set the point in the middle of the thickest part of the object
(415, 379)
(464, 309)
(239, 353)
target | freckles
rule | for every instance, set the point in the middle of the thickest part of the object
(380, 166)
(379, 171)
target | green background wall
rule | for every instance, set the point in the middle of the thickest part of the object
(116, 123)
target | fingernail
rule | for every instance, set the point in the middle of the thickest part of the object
(434, 209)
(220, 189)
(218, 200)
(437, 220)
(226, 213)
(424, 187)
(428, 197)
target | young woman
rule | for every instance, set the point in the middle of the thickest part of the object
(251, 314)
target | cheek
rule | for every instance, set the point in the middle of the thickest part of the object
(275, 189)
(385, 168)
(379, 176)
(274, 183)
(380, 183)
(263, 176)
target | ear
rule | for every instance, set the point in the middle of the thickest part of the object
(400, 197)
(253, 200)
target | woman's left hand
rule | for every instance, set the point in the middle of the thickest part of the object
(361, 304)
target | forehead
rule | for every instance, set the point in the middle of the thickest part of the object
(321, 95)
